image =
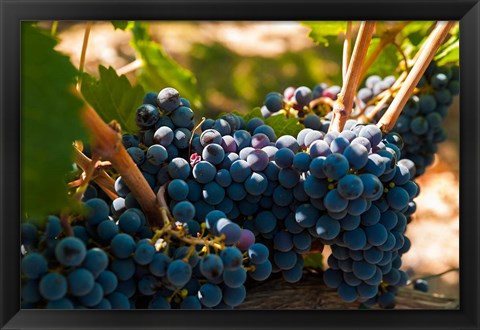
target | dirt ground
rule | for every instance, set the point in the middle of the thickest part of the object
(434, 232)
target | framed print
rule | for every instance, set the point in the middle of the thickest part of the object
(239, 164)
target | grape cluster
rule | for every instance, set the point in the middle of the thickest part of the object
(421, 121)
(244, 204)
(116, 261)
(115, 264)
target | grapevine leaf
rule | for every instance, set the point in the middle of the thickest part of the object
(51, 121)
(283, 125)
(314, 260)
(449, 51)
(386, 62)
(159, 70)
(416, 31)
(121, 25)
(319, 31)
(450, 54)
(113, 97)
(255, 113)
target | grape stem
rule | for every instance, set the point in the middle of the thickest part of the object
(53, 30)
(387, 38)
(101, 178)
(132, 66)
(108, 145)
(321, 100)
(433, 42)
(66, 226)
(344, 103)
(381, 100)
(86, 177)
(433, 276)
(346, 49)
(83, 54)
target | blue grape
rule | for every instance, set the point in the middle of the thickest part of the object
(213, 153)
(163, 136)
(183, 211)
(240, 170)
(327, 228)
(231, 230)
(398, 198)
(306, 215)
(213, 193)
(70, 251)
(97, 210)
(231, 258)
(210, 295)
(335, 166)
(96, 261)
(182, 116)
(191, 302)
(179, 168)
(234, 296)
(355, 239)
(80, 282)
(179, 273)
(34, 265)
(168, 99)
(211, 266)
(257, 160)
(347, 293)
(334, 202)
(350, 187)
(137, 154)
(262, 271)
(256, 184)
(122, 245)
(147, 115)
(265, 221)
(53, 286)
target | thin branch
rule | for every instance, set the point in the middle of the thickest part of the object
(344, 103)
(402, 53)
(387, 38)
(435, 39)
(382, 99)
(433, 275)
(88, 174)
(132, 66)
(65, 223)
(346, 49)
(101, 178)
(88, 27)
(107, 143)
(53, 30)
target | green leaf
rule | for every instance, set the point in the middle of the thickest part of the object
(320, 31)
(449, 52)
(121, 25)
(416, 31)
(159, 70)
(255, 113)
(283, 125)
(386, 62)
(113, 97)
(50, 122)
(314, 260)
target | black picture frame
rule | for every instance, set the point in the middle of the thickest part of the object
(14, 11)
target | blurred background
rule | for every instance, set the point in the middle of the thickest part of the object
(237, 63)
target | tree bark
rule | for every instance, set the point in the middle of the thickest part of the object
(311, 293)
